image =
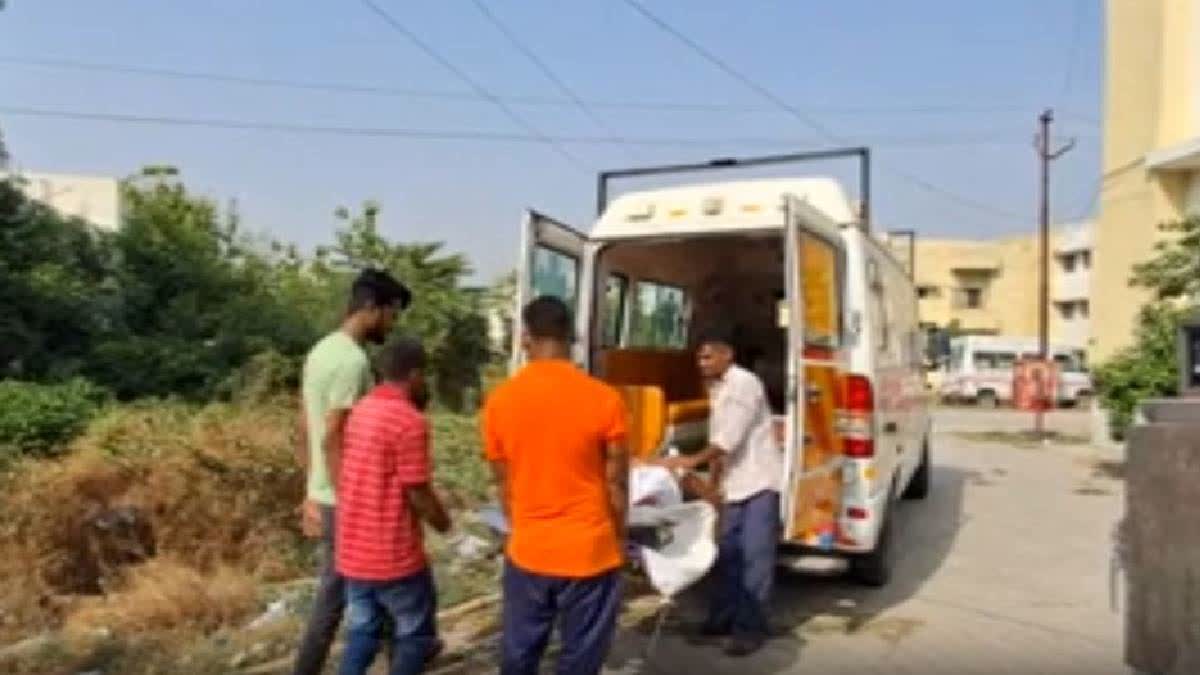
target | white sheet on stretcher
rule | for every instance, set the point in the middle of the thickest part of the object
(656, 499)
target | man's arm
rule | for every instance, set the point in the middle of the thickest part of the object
(428, 507)
(616, 473)
(335, 426)
(500, 479)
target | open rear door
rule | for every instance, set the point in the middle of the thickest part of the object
(814, 267)
(553, 260)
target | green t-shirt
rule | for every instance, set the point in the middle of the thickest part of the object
(337, 373)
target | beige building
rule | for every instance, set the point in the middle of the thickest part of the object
(991, 287)
(1151, 159)
(96, 199)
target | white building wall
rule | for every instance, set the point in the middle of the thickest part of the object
(96, 199)
(1071, 291)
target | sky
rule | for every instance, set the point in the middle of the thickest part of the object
(945, 92)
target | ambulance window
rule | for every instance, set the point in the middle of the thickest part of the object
(658, 316)
(821, 277)
(616, 288)
(554, 273)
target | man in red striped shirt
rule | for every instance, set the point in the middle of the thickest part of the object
(383, 495)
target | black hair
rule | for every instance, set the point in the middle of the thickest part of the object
(400, 357)
(376, 288)
(548, 318)
(716, 334)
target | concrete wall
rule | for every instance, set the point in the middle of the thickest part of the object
(1152, 67)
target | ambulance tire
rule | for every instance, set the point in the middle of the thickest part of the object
(987, 400)
(918, 485)
(874, 569)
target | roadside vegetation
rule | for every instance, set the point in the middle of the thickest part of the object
(147, 427)
(1149, 367)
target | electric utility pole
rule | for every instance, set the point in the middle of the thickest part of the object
(1045, 156)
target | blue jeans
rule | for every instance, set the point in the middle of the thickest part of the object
(745, 566)
(410, 603)
(586, 610)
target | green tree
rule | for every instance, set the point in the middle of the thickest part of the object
(196, 302)
(1149, 366)
(56, 288)
(446, 316)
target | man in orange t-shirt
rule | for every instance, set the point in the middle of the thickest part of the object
(555, 438)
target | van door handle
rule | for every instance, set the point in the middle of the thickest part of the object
(889, 428)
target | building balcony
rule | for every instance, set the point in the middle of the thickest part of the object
(1073, 286)
(976, 321)
(1183, 156)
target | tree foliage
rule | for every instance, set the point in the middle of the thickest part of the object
(181, 302)
(1149, 367)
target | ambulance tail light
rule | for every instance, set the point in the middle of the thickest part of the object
(858, 417)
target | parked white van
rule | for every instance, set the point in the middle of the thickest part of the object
(979, 370)
(825, 315)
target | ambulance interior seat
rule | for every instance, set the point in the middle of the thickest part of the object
(662, 390)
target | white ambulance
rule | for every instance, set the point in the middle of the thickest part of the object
(979, 370)
(825, 315)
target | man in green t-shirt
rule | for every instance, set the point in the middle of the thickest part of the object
(337, 372)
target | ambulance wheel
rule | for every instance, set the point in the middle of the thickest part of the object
(918, 486)
(987, 400)
(874, 569)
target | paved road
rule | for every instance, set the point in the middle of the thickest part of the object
(1004, 570)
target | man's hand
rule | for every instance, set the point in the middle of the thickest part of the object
(616, 475)
(310, 519)
(676, 463)
(427, 506)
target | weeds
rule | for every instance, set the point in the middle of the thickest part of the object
(164, 523)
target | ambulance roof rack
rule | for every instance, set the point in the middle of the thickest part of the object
(862, 153)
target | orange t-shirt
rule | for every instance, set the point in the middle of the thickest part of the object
(550, 424)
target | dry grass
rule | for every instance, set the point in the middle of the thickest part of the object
(166, 595)
(209, 489)
(151, 539)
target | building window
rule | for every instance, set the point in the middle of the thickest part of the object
(928, 292)
(1085, 259)
(1067, 310)
(1068, 263)
(1084, 309)
(968, 298)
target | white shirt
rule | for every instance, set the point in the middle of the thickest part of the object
(740, 424)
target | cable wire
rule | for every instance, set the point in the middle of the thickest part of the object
(483, 91)
(471, 97)
(471, 134)
(543, 67)
(813, 124)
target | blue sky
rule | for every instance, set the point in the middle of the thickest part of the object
(944, 90)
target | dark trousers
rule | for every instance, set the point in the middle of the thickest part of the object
(745, 566)
(328, 605)
(410, 604)
(586, 610)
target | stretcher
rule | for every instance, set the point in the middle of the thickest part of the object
(671, 542)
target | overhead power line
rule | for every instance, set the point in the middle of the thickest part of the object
(473, 97)
(804, 118)
(542, 66)
(483, 91)
(998, 138)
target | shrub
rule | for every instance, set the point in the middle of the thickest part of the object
(39, 419)
(1148, 368)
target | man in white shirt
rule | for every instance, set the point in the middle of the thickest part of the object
(746, 465)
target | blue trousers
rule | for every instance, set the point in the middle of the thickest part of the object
(745, 566)
(586, 610)
(410, 603)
